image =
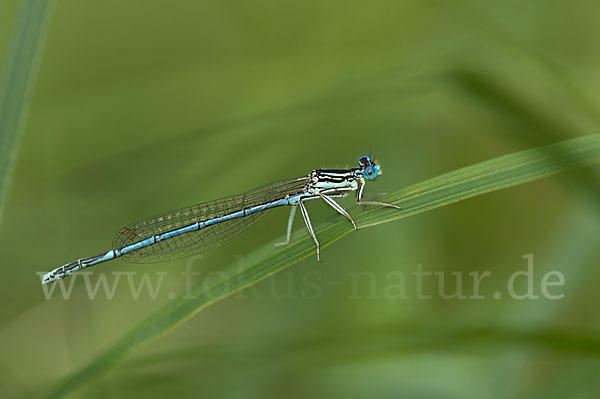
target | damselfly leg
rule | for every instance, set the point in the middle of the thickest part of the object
(338, 208)
(359, 200)
(289, 228)
(310, 228)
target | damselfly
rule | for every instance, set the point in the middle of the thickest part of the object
(186, 231)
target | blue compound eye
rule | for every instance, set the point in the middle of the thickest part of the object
(370, 173)
(365, 160)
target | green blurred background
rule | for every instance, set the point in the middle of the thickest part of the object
(144, 106)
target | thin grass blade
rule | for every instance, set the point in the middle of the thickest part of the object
(484, 177)
(17, 81)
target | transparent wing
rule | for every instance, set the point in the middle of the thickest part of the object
(196, 241)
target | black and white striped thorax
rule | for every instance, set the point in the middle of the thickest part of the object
(332, 180)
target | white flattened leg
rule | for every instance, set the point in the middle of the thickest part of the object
(310, 228)
(289, 228)
(338, 208)
(360, 202)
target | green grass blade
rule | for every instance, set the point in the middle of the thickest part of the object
(464, 183)
(17, 80)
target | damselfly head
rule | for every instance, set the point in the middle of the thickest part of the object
(368, 167)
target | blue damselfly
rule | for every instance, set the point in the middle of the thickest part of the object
(186, 231)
